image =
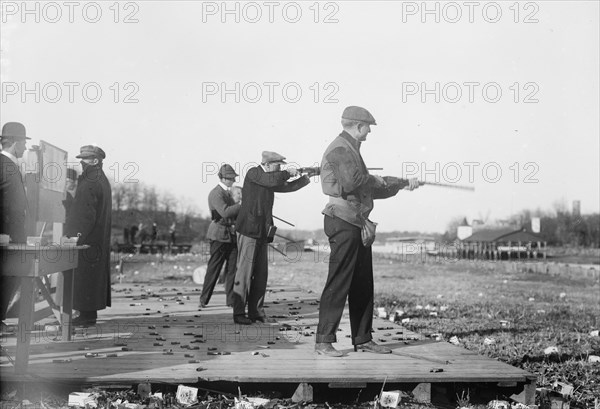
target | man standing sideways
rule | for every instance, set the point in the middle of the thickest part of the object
(351, 190)
(90, 216)
(223, 247)
(13, 200)
(255, 230)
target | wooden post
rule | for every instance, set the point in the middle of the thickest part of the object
(519, 250)
(509, 251)
(545, 250)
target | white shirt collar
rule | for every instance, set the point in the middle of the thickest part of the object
(264, 167)
(224, 186)
(10, 156)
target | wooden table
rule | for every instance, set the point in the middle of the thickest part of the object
(29, 264)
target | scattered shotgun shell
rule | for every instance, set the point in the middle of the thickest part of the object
(271, 342)
(212, 353)
(153, 333)
(200, 369)
(151, 326)
(435, 370)
(61, 361)
(225, 353)
(175, 342)
(194, 348)
(91, 355)
(83, 348)
(188, 333)
(212, 348)
(158, 344)
(255, 353)
(111, 355)
(189, 355)
(167, 352)
(126, 349)
(194, 361)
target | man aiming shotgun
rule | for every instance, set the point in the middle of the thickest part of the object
(351, 190)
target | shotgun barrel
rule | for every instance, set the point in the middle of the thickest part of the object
(392, 180)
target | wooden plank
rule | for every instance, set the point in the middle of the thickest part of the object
(290, 359)
(67, 303)
(25, 324)
(48, 297)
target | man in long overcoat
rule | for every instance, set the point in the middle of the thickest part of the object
(13, 200)
(90, 216)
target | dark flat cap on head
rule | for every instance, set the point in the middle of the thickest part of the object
(91, 151)
(14, 130)
(227, 172)
(358, 114)
(272, 157)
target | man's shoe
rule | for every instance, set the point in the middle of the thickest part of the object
(264, 320)
(325, 348)
(371, 346)
(202, 305)
(242, 320)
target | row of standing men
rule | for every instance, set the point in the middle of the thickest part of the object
(344, 179)
(88, 215)
(240, 232)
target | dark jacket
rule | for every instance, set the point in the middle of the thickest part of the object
(223, 212)
(90, 215)
(346, 180)
(13, 201)
(256, 213)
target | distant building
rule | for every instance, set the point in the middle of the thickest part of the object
(503, 243)
(464, 230)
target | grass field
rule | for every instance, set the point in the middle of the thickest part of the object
(513, 317)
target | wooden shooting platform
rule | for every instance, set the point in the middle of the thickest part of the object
(161, 326)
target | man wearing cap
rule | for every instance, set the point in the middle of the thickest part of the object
(90, 216)
(13, 200)
(255, 230)
(223, 247)
(351, 190)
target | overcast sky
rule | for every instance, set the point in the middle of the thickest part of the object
(500, 93)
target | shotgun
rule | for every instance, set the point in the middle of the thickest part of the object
(392, 180)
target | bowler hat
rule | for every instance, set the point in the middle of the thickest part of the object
(227, 172)
(272, 157)
(354, 113)
(91, 151)
(13, 130)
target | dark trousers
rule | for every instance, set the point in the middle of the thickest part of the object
(251, 277)
(219, 253)
(350, 276)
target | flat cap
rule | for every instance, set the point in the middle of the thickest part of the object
(358, 114)
(272, 157)
(91, 151)
(227, 172)
(13, 130)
